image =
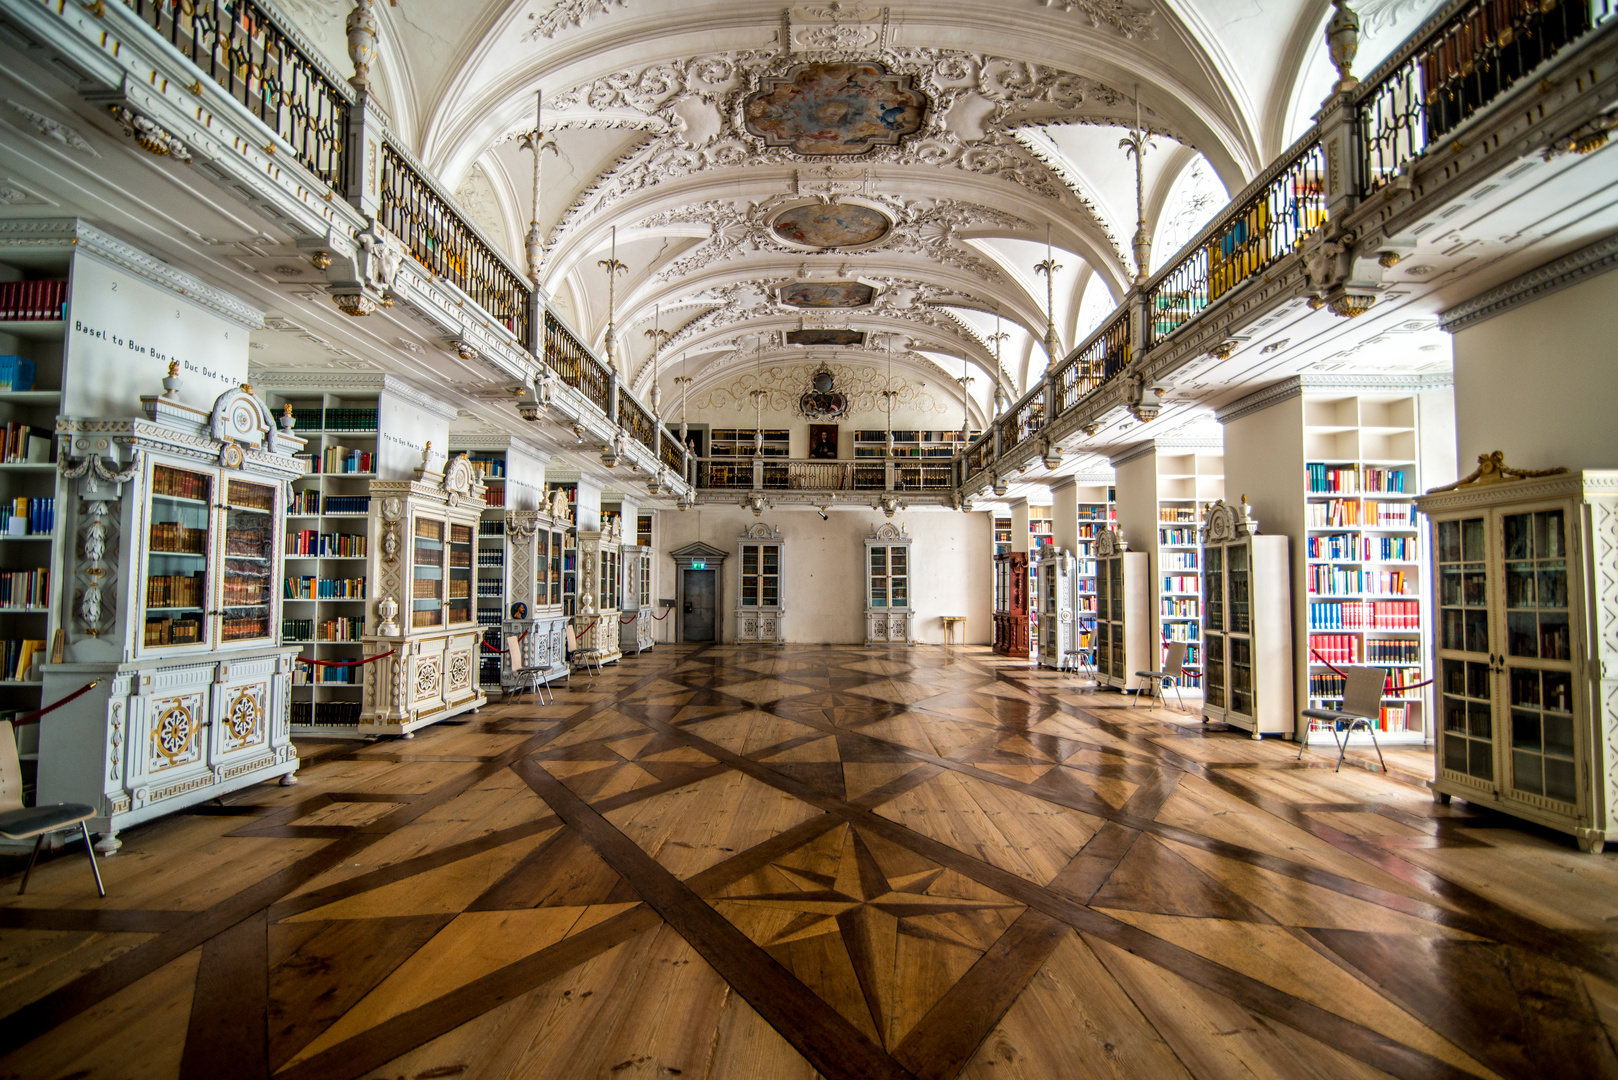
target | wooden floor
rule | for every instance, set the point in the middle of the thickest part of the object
(836, 862)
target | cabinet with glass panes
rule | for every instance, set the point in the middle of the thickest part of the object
(600, 580)
(1527, 618)
(1123, 621)
(535, 541)
(760, 599)
(179, 624)
(889, 618)
(1246, 624)
(1011, 624)
(635, 634)
(1058, 641)
(423, 533)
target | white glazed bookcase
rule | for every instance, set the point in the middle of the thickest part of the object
(534, 544)
(1246, 624)
(1525, 590)
(889, 574)
(636, 635)
(1058, 616)
(175, 526)
(760, 586)
(600, 597)
(1123, 619)
(423, 538)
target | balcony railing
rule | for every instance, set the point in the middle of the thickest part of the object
(865, 474)
(435, 233)
(635, 420)
(573, 363)
(1085, 372)
(235, 44)
(669, 451)
(1444, 75)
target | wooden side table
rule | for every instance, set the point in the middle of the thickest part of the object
(950, 622)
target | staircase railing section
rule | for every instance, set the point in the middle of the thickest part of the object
(1247, 239)
(236, 44)
(441, 240)
(1455, 67)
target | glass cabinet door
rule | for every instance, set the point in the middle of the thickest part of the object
(556, 567)
(769, 575)
(1465, 651)
(1103, 618)
(878, 594)
(178, 545)
(1239, 641)
(542, 568)
(427, 574)
(1538, 675)
(899, 576)
(249, 533)
(460, 574)
(1115, 578)
(1213, 625)
(749, 575)
(570, 576)
(645, 581)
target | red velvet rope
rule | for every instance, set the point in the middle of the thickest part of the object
(501, 652)
(345, 663)
(587, 629)
(660, 618)
(34, 716)
(1388, 692)
(625, 622)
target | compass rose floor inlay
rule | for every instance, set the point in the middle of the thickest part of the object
(814, 862)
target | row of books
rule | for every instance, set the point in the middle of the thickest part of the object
(309, 419)
(424, 589)
(1179, 560)
(1335, 648)
(16, 373)
(243, 591)
(310, 502)
(1342, 581)
(179, 483)
(175, 590)
(460, 589)
(18, 656)
(166, 631)
(495, 496)
(325, 712)
(297, 629)
(1178, 537)
(25, 443)
(1353, 479)
(1177, 515)
(312, 588)
(305, 674)
(172, 538)
(487, 587)
(494, 557)
(341, 459)
(1329, 684)
(1181, 609)
(1193, 654)
(344, 629)
(332, 545)
(25, 588)
(492, 527)
(244, 627)
(1392, 651)
(1182, 631)
(1335, 514)
(24, 516)
(1347, 547)
(1365, 615)
(487, 466)
(1181, 583)
(344, 419)
(32, 301)
(1394, 718)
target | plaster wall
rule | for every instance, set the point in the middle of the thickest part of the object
(824, 568)
(1539, 381)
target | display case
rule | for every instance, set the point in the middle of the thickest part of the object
(176, 527)
(423, 625)
(760, 599)
(889, 618)
(600, 555)
(1246, 624)
(1011, 604)
(1526, 640)
(1123, 619)
(1058, 617)
(535, 542)
(635, 623)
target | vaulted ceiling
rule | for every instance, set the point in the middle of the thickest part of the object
(1021, 106)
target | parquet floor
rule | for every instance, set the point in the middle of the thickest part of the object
(819, 862)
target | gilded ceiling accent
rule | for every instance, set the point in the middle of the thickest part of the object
(824, 109)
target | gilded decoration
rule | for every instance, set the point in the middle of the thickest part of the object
(826, 226)
(825, 336)
(175, 738)
(1492, 469)
(426, 677)
(244, 717)
(824, 109)
(862, 385)
(828, 294)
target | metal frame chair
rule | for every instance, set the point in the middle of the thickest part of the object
(1362, 706)
(19, 822)
(527, 677)
(1173, 670)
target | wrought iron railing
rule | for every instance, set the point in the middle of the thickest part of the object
(1089, 369)
(980, 454)
(572, 362)
(1245, 241)
(635, 420)
(1456, 67)
(927, 476)
(237, 45)
(776, 474)
(669, 451)
(1025, 417)
(441, 240)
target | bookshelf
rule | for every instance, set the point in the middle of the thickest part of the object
(1123, 611)
(911, 444)
(1041, 534)
(1247, 624)
(1094, 515)
(1189, 481)
(738, 442)
(1002, 535)
(358, 430)
(1363, 553)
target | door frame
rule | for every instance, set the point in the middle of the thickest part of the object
(713, 559)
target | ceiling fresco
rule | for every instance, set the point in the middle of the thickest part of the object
(825, 336)
(828, 294)
(835, 109)
(827, 226)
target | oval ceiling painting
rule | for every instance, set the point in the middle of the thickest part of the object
(821, 109)
(828, 294)
(831, 225)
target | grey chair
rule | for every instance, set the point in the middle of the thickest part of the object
(1173, 672)
(527, 677)
(1362, 707)
(19, 822)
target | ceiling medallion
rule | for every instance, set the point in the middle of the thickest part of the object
(828, 294)
(824, 109)
(822, 401)
(823, 336)
(819, 226)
